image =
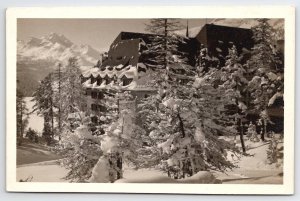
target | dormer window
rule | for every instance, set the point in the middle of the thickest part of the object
(99, 80)
(108, 80)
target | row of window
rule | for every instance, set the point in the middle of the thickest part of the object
(124, 79)
(97, 95)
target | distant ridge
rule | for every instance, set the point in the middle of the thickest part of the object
(37, 57)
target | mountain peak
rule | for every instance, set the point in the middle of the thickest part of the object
(59, 38)
(55, 47)
(34, 41)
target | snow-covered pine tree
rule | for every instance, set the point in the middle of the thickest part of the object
(95, 152)
(122, 139)
(22, 116)
(184, 119)
(72, 98)
(267, 84)
(79, 144)
(44, 105)
(58, 78)
(80, 149)
(183, 122)
(163, 49)
(235, 84)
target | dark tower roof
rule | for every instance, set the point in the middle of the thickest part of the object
(187, 29)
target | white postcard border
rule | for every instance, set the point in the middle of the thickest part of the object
(286, 12)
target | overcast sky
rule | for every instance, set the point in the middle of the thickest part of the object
(99, 33)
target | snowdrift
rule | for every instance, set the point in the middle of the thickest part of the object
(202, 177)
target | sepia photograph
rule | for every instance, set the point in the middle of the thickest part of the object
(155, 100)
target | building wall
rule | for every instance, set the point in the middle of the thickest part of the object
(125, 52)
(217, 39)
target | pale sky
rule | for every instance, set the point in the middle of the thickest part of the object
(99, 33)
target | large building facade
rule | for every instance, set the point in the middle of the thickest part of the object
(123, 68)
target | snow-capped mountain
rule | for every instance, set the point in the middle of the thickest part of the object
(39, 56)
(53, 48)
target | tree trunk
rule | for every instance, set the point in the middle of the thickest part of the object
(59, 103)
(119, 166)
(262, 133)
(184, 165)
(165, 42)
(52, 122)
(181, 126)
(21, 125)
(265, 128)
(241, 132)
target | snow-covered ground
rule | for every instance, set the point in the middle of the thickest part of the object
(41, 173)
(252, 169)
(29, 153)
(255, 167)
(35, 122)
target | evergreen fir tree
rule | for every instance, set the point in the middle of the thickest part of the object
(235, 84)
(268, 81)
(44, 105)
(22, 116)
(177, 118)
(80, 142)
(122, 138)
(80, 149)
(185, 117)
(58, 76)
(163, 49)
(71, 90)
(183, 122)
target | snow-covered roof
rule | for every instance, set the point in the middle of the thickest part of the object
(130, 72)
(109, 71)
(119, 72)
